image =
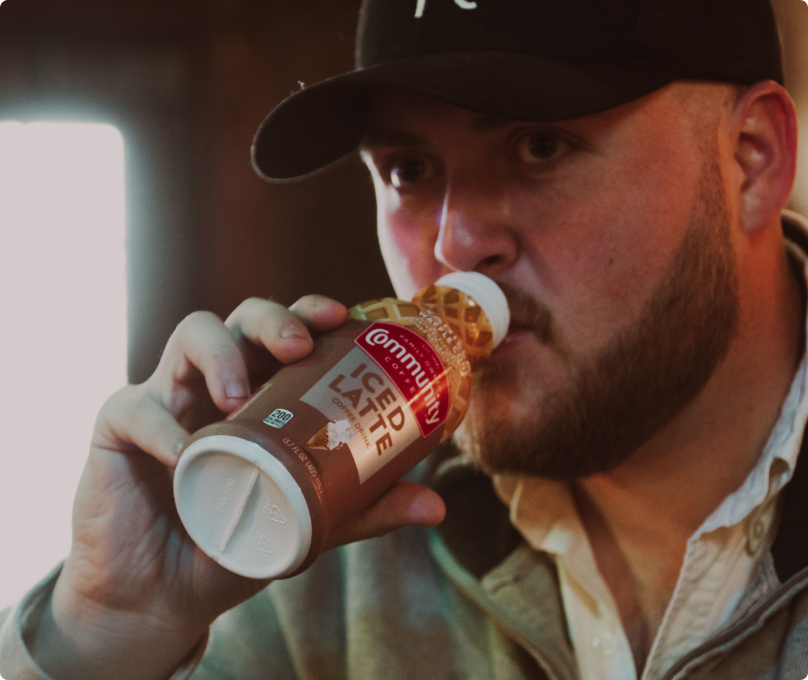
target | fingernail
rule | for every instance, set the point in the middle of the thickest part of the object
(235, 390)
(292, 332)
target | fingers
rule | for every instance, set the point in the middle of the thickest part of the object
(320, 313)
(403, 504)
(208, 363)
(201, 349)
(285, 333)
(271, 326)
(137, 419)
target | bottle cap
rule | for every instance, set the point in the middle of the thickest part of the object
(242, 507)
(485, 293)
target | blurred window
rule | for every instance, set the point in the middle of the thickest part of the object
(63, 342)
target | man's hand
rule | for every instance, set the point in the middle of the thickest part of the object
(134, 585)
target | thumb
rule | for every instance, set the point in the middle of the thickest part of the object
(404, 504)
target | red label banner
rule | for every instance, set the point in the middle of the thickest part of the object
(415, 368)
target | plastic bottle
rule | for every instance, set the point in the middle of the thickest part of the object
(327, 435)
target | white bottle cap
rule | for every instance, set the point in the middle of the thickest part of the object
(485, 293)
(242, 507)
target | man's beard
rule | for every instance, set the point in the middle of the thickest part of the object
(636, 385)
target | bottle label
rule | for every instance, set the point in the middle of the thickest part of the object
(381, 396)
(415, 368)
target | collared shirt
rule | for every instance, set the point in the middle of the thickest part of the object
(408, 605)
(727, 565)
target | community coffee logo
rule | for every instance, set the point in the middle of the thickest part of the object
(414, 367)
(463, 4)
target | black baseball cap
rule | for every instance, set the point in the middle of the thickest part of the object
(525, 60)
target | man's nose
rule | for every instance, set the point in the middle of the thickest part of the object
(476, 228)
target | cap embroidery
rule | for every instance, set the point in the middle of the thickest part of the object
(463, 4)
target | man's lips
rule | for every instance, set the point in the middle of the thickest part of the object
(516, 332)
(528, 316)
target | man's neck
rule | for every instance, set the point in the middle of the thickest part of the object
(640, 516)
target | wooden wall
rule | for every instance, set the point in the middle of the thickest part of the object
(188, 82)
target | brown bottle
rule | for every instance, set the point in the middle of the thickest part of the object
(327, 435)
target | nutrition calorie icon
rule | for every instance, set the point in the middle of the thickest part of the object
(278, 418)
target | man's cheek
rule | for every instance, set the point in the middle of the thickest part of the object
(409, 243)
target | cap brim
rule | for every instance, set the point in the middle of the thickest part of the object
(322, 123)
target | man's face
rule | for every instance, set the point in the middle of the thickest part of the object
(611, 237)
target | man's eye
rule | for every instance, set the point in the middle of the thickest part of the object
(407, 172)
(540, 147)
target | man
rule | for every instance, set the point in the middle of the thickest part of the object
(620, 169)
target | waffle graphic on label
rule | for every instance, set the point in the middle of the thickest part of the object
(463, 317)
(385, 309)
(470, 324)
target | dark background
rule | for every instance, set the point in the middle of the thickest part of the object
(188, 82)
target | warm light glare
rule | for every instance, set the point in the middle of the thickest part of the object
(63, 299)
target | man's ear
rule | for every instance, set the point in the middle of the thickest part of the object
(764, 124)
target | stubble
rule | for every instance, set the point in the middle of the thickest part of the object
(637, 384)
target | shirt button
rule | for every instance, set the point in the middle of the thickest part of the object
(605, 644)
(757, 534)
